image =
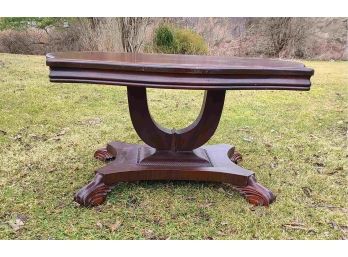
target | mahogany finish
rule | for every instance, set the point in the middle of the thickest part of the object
(194, 136)
(170, 154)
(177, 71)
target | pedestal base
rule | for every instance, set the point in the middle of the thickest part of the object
(132, 162)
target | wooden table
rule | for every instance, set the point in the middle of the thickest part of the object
(170, 154)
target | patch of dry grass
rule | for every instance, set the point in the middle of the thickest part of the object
(294, 141)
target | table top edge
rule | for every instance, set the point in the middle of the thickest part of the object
(53, 61)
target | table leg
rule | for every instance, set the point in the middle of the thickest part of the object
(172, 154)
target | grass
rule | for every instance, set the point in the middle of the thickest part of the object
(294, 141)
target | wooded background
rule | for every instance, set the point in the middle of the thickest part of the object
(284, 37)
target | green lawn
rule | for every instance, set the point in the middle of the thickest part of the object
(294, 141)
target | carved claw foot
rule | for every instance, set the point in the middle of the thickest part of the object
(256, 194)
(103, 155)
(94, 193)
(236, 157)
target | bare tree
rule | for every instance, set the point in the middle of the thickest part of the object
(133, 30)
(279, 30)
(94, 22)
(285, 33)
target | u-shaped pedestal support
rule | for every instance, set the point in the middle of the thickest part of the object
(172, 154)
(187, 139)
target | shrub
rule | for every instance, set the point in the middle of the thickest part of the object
(22, 42)
(164, 40)
(189, 42)
(172, 40)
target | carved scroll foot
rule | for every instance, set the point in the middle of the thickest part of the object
(103, 155)
(94, 193)
(236, 157)
(256, 194)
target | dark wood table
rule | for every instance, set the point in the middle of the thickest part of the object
(170, 154)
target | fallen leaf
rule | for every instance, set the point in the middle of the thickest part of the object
(59, 135)
(51, 170)
(115, 226)
(313, 136)
(206, 205)
(92, 121)
(149, 234)
(99, 225)
(17, 137)
(248, 139)
(55, 138)
(158, 221)
(273, 165)
(17, 224)
(22, 217)
(221, 233)
(345, 210)
(333, 225)
(38, 137)
(297, 226)
(343, 228)
(319, 164)
(246, 128)
(307, 191)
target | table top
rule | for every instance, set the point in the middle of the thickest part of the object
(178, 71)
